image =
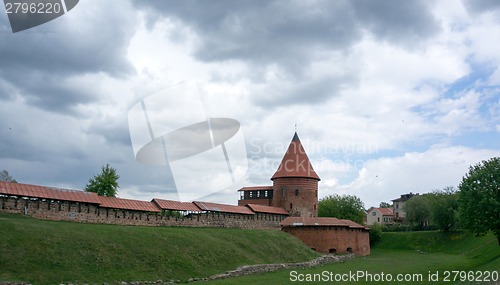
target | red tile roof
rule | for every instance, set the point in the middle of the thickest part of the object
(214, 207)
(43, 192)
(386, 211)
(322, 222)
(175, 205)
(128, 204)
(267, 209)
(255, 188)
(295, 162)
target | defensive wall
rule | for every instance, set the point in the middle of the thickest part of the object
(59, 204)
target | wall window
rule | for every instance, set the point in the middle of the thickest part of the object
(258, 194)
(374, 213)
(250, 194)
(265, 194)
(291, 206)
(296, 192)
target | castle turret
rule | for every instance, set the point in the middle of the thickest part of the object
(295, 183)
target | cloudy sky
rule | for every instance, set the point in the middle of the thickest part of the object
(388, 97)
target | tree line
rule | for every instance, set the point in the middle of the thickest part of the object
(474, 206)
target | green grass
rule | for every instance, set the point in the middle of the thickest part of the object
(404, 253)
(48, 252)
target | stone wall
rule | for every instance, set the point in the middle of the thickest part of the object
(92, 213)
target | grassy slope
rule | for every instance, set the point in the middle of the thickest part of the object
(46, 252)
(402, 253)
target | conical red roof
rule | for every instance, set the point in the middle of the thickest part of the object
(295, 163)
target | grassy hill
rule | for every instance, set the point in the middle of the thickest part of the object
(404, 253)
(48, 252)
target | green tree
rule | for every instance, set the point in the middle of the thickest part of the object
(342, 207)
(479, 198)
(5, 177)
(444, 208)
(385, 205)
(417, 211)
(104, 184)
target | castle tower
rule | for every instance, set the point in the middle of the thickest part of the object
(295, 183)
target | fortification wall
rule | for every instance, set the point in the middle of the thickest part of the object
(91, 213)
(333, 239)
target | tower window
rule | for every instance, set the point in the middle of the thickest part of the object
(296, 192)
(282, 191)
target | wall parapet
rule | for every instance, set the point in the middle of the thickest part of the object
(49, 209)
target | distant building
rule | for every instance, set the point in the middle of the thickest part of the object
(383, 216)
(397, 206)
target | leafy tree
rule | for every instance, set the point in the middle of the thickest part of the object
(417, 211)
(479, 198)
(5, 177)
(385, 205)
(342, 207)
(104, 184)
(444, 208)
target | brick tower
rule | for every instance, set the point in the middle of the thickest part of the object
(295, 183)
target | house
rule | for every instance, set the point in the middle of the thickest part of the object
(384, 216)
(397, 206)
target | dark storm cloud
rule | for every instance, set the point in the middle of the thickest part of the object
(481, 5)
(292, 35)
(404, 22)
(49, 92)
(290, 31)
(306, 92)
(263, 31)
(38, 62)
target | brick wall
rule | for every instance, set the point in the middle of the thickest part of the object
(299, 193)
(91, 213)
(330, 239)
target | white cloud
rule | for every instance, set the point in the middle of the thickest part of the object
(386, 178)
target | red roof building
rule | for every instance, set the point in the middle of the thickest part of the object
(295, 185)
(384, 216)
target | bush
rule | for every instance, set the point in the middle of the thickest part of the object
(375, 233)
